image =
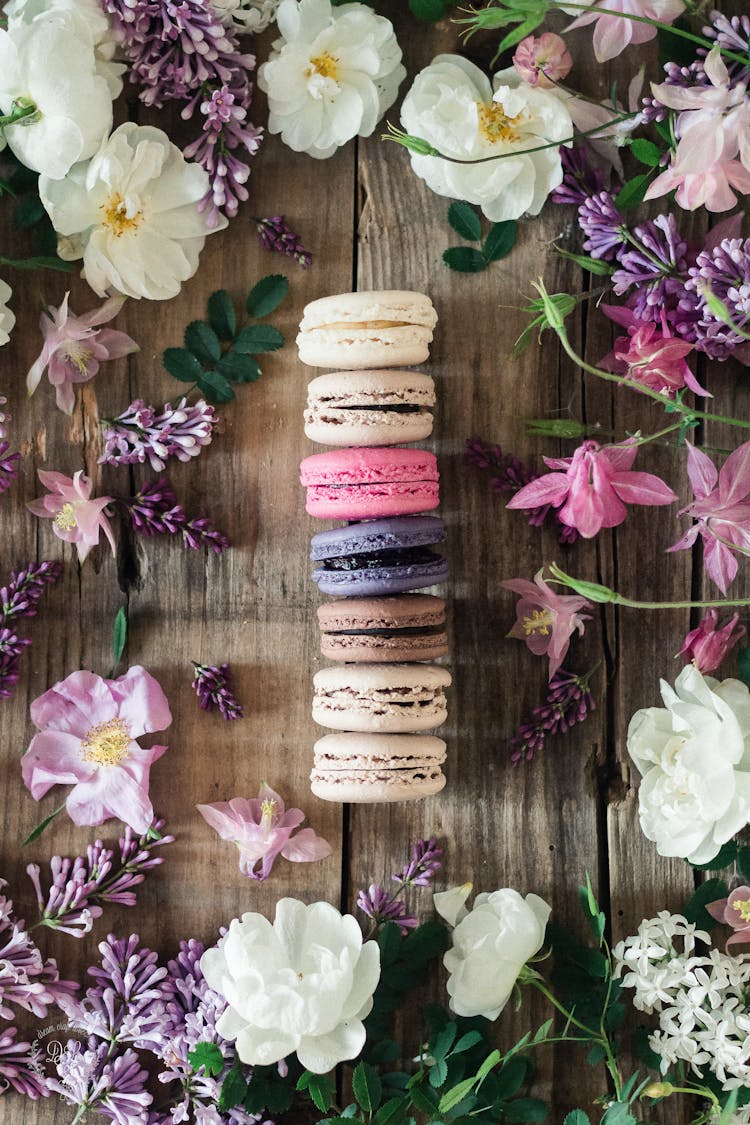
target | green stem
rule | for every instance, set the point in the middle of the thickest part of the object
(603, 595)
(36, 832)
(631, 442)
(591, 1035)
(16, 115)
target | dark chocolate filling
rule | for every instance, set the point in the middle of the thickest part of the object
(392, 408)
(400, 556)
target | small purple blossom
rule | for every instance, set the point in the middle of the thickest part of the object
(27, 980)
(387, 906)
(725, 270)
(4, 416)
(8, 466)
(732, 34)
(112, 1084)
(142, 433)
(276, 234)
(225, 133)
(603, 226)
(654, 264)
(581, 177)
(426, 857)
(380, 905)
(214, 686)
(154, 511)
(20, 1065)
(568, 703)
(20, 599)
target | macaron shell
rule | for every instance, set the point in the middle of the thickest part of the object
(368, 501)
(408, 612)
(368, 466)
(377, 788)
(361, 347)
(375, 697)
(350, 389)
(382, 581)
(404, 306)
(364, 648)
(332, 426)
(377, 535)
(374, 768)
(357, 629)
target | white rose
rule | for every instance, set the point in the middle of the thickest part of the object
(303, 984)
(132, 214)
(50, 62)
(331, 76)
(93, 25)
(491, 944)
(694, 758)
(7, 319)
(452, 105)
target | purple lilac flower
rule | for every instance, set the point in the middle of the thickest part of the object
(423, 866)
(654, 264)
(380, 905)
(509, 474)
(19, 599)
(725, 270)
(4, 416)
(20, 1065)
(581, 177)
(226, 132)
(141, 433)
(387, 906)
(8, 466)
(78, 886)
(568, 702)
(27, 980)
(213, 685)
(154, 511)
(603, 225)
(113, 1085)
(733, 34)
(276, 234)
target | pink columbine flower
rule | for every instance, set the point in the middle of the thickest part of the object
(734, 911)
(88, 728)
(721, 509)
(542, 61)
(708, 647)
(74, 347)
(263, 829)
(593, 485)
(76, 518)
(545, 620)
(651, 356)
(613, 33)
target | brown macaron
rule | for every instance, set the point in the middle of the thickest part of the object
(395, 629)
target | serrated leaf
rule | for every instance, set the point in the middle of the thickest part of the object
(457, 1094)
(119, 636)
(618, 1114)
(428, 10)
(511, 1077)
(464, 259)
(257, 338)
(367, 1087)
(633, 192)
(646, 152)
(320, 1088)
(209, 1056)
(221, 314)
(695, 909)
(500, 241)
(470, 1039)
(182, 364)
(438, 1073)
(443, 1042)
(491, 1061)
(202, 342)
(267, 295)
(465, 221)
(576, 1117)
(238, 368)
(233, 1089)
(215, 387)
(392, 1109)
(596, 1055)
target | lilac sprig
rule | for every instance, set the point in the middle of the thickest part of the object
(141, 433)
(508, 475)
(214, 686)
(581, 177)
(276, 234)
(8, 466)
(19, 599)
(154, 511)
(383, 906)
(79, 887)
(226, 132)
(93, 1078)
(20, 1065)
(568, 703)
(27, 980)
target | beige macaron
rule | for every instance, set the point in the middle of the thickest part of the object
(369, 407)
(386, 328)
(387, 698)
(377, 768)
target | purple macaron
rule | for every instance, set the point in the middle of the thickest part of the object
(377, 557)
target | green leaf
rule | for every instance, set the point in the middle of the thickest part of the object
(646, 152)
(233, 1089)
(438, 1073)
(618, 1114)
(258, 338)
(221, 315)
(511, 1077)
(202, 341)
(393, 1109)
(390, 941)
(743, 665)
(427, 9)
(36, 832)
(464, 259)
(320, 1088)
(182, 365)
(743, 862)
(465, 221)
(596, 1055)
(591, 265)
(491, 1061)
(470, 1039)
(500, 241)
(452, 1097)
(525, 1109)
(215, 387)
(442, 1044)
(119, 636)
(695, 910)
(633, 193)
(267, 295)
(43, 262)
(726, 855)
(367, 1087)
(576, 1117)
(28, 212)
(209, 1056)
(238, 368)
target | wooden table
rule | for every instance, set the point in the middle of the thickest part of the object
(539, 827)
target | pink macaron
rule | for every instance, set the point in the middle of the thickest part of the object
(359, 484)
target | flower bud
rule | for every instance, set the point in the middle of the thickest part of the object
(706, 646)
(658, 1090)
(591, 590)
(542, 61)
(557, 427)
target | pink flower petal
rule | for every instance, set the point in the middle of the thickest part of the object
(701, 471)
(734, 476)
(81, 701)
(141, 702)
(642, 488)
(53, 758)
(306, 846)
(720, 563)
(111, 792)
(552, 488)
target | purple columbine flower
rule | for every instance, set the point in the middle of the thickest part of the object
(276, 234)
(8, 466)
(603, 225)
(214, 686)
(141, 433)
(725, 270)
(568, 703)
(581, 177)
(154, 511)
(21, 1065)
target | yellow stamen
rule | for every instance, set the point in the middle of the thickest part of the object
(267, 813)
(79, 355)
(327, 66)
(538, 622)
(107, 743)
(116, 217)
(495, 124)
(742, 906)
(66, 518)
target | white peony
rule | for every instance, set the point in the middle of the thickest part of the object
(246, 16)
(332, 76)
(491, 945)
(303, 984)
(93, 24)
(694, 758)
(453, 107)
(7, 319)
(50, 63)
(131, 213)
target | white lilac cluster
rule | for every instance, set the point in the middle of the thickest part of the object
(247, 16)
(701, 1001)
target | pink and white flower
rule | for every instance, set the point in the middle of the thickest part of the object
(76, 518)
(707, 646)
(593, 487)
(74, 347)
(651, 356)
(542, 61)
(734, 911)
(88, 728)
(545, 620)
(263, 829)
(721, 509)
(614, 31)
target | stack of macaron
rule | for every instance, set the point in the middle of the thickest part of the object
(382, 695)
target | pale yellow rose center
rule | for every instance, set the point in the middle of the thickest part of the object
(327, 66)
(116, 218)
(540, 621)
(107, 743)
(742, 906)
(66, 518)
(495, 124)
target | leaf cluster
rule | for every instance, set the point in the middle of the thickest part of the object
(218, 352)
(498, 244)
